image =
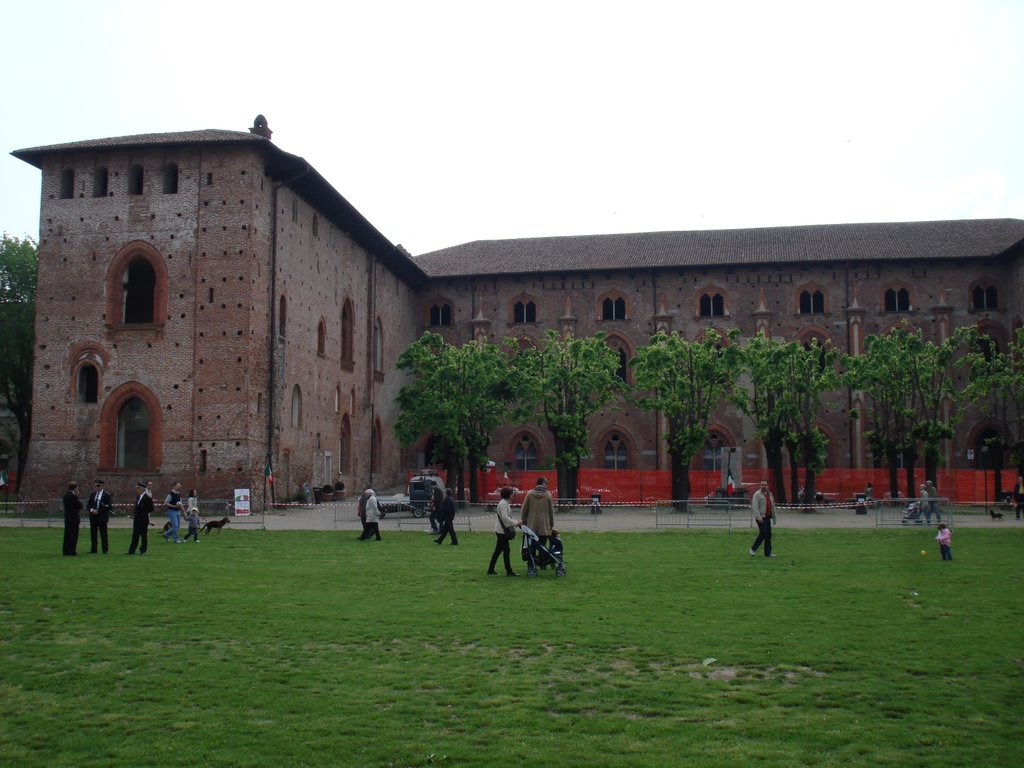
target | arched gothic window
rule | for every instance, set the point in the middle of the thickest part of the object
(613, 309)
(525, 453)
(897, 300)
(711, 305)
(321, 338)
(87, 389)
(524, 312)
(441, 314)
(812, 303)
(616, 454)
(133, 422)
(139, 283)
(296, 420)
(984, 297)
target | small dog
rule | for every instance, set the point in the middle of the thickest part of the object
(218, 524)
(995, 515)
(167, 526)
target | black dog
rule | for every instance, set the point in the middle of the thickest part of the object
(218, 524)
(996, 515)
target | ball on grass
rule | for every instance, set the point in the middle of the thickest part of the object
(924, 553)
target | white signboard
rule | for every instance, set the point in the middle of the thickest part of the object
(241, 501)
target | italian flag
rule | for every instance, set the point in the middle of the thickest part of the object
(730, 484)
(268, 473)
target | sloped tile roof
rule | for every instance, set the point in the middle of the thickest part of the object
(34, 155)
(772, 245)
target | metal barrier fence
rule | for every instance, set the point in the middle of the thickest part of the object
(920, 511)
(50, 513)
(703, 513)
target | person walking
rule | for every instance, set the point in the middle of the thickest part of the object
(505, 531)
(538, 513)
(173, 503)
(436, 507)
(763, 505)
(140, 521)
(933, 501)
(72, 519)
(448, 519)
(371, 525)
(99, 508)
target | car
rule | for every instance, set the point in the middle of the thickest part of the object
(417, 500)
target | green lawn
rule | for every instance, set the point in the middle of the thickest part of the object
(260, 648)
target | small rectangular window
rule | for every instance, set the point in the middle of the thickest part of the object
(67, 184)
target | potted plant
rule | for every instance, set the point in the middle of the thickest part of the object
(327, 492)
(339, 489)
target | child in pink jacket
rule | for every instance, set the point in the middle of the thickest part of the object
(944, 536)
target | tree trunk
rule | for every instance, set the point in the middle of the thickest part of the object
(892, 459)
(773, 455)
(910, 459)
(474, 479)
(794, 471)
(809, 476)
(680, 481)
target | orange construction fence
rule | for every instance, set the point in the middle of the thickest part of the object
(636, 486)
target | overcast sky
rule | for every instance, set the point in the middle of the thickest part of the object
(446, 122)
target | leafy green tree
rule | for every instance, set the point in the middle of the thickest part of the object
(885, 381)
(811, 372)
(995, 382)
(911, 398)
(568, 380)
(18, 261)
(686, 381)
(459, 395)
(761, 395)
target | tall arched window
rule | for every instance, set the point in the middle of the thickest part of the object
(282, 316)
(616, 454)
(345, 447)
(347, 355)
(133, 422)
(99, 182)
(321, 338)
(139, 283)
(525, 452)
(135, 180)
(378, 346)
(87, 389)
(170, 179)
(296, 420)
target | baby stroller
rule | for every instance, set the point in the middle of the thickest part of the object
(912, 514)
(543, 557)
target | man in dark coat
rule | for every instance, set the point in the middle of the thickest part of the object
(72, 519)
(448, 518)
(140, 525)
(99, 507)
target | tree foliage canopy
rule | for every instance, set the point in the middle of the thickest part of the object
(18, 261)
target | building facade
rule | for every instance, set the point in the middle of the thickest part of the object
(209, 306)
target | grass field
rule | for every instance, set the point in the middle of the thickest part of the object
(262, 648)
